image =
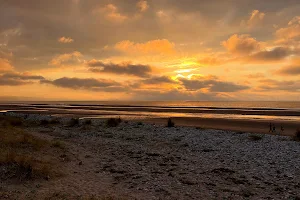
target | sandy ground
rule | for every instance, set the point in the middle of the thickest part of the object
(147, 161)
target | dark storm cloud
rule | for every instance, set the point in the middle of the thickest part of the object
(14, 79)
(212, 84)
(86, 84)
(123, 68)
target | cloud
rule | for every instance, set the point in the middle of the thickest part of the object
(66, 58)
(270, 84)
(289, 34)
(122, 68)
(274, 55)
(5, 65)
(256, 75)
(142, 6)
(242, 44)
(65, 40)
(86, 84)
(212, 84)
(158, 80)
(162, 46)
(256, 17)
(176, 94)
(15, 79)
(112, 13)
(213, 60)
(290, 70)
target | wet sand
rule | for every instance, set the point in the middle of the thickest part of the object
(251, 126)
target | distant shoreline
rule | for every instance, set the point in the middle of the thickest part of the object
(238, 125)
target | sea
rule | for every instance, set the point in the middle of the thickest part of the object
(258, 110)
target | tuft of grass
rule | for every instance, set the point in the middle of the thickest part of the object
(73, 122)
(170, 123)
(113, 122)
(23, 167)
(21, 157)
(297, 136)
(15, 138)
(255, 137)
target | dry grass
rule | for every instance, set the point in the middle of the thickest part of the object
(6, 121)
(22, 155)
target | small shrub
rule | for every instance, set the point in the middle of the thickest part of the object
(54, 121)
(170, 123)
(140, 123)
(255, 137)
(44, 122)
(88, 122)
(297, 135)
(58, 144)
(119, 119)
(113, 122)
(74, 122)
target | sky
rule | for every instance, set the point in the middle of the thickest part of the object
(200, 50)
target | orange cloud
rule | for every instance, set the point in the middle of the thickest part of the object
(142, 6)
(65, 40)
(241, 45)
(64, 58)
(5, 65)
(290, 70)
(256, 18)
(113, 14)
(153, 46)
(289, 33)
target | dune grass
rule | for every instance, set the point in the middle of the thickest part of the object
(22, 155)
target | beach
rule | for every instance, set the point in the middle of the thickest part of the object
(133, 159)
(253, 118)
